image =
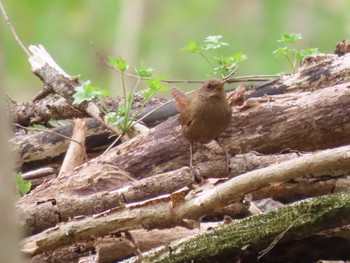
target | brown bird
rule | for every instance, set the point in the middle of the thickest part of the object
(205, 115)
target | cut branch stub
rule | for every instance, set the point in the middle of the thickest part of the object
(61, 83)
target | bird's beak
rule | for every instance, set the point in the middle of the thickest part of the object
(222, 83)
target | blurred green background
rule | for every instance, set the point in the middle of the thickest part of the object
(154, 31)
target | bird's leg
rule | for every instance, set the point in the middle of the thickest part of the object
(226, 153)
(191, 155)
(197, 177)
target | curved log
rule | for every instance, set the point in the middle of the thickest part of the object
(303, 121)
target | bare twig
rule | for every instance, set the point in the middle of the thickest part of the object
(156, 210)
(159, 107)
(8, 21)
(279, 237)
(233, 80)
(113, 143)
(230, 74)
(48, 131)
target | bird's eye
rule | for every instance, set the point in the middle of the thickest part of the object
(209, 86)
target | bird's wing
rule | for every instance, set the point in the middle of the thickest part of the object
(181, 99)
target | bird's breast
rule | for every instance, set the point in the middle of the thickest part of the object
(207, 121)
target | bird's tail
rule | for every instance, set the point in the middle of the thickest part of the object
(181, 99)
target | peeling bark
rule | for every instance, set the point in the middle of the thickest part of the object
(144, 184)
(253, 235)
(170, 210)
(304, 119)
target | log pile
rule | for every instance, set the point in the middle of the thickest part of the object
(289, 142)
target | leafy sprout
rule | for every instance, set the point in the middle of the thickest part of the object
(144, 72)
(118, 63)
(212, 42)
(192, 47)
(221, 65)
(87, 92)
(289, 38)
(292, 54)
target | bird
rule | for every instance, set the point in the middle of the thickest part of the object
(205, 115)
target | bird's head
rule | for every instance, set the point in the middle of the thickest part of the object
(212, 88)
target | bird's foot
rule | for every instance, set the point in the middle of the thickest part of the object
(196, 174)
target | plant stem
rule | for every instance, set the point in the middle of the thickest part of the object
(295, 62)
(290, 62)
(206, 59)
(125, 102)
(104, 108)
(136, 85)
(157, 108)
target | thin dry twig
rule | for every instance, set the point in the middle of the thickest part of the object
(278, 238)
(52, 132)
(8, 21)
(112, 144)
(226, 78)
(230, 74)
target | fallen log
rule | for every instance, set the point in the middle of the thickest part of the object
(298, 121)
(171, 210)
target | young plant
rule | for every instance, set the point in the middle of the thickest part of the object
(22, 186)
(87, 92)
(221, 65)
(289, 51)
(122, 116)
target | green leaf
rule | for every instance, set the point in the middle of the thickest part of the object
(289, 38)
(114, 118)
(144, 72)
(228, 63)
(118, 63)
(233, 59)
(121, 116)
(87, 92)
(281, 51)
(212, 42)
(154, 85)
(307, 52)
(22, 186)
(192, 47)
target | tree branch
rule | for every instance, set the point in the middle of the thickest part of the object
(170, 210)
(248, 235)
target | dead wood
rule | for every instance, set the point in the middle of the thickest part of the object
(109, 249)
(318, 71)
(76, 154)
(43, 111)
(43, 148)
(312, 116)
(306, 187)
(297, 121)
(62, 84)
(119, 248)
(253, 235)
(94, 197)
(169, 211)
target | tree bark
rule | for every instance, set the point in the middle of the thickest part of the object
(299, 122)
(129, 179)
(170, 210)
(253, 234)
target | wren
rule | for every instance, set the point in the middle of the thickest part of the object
(205, 115)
